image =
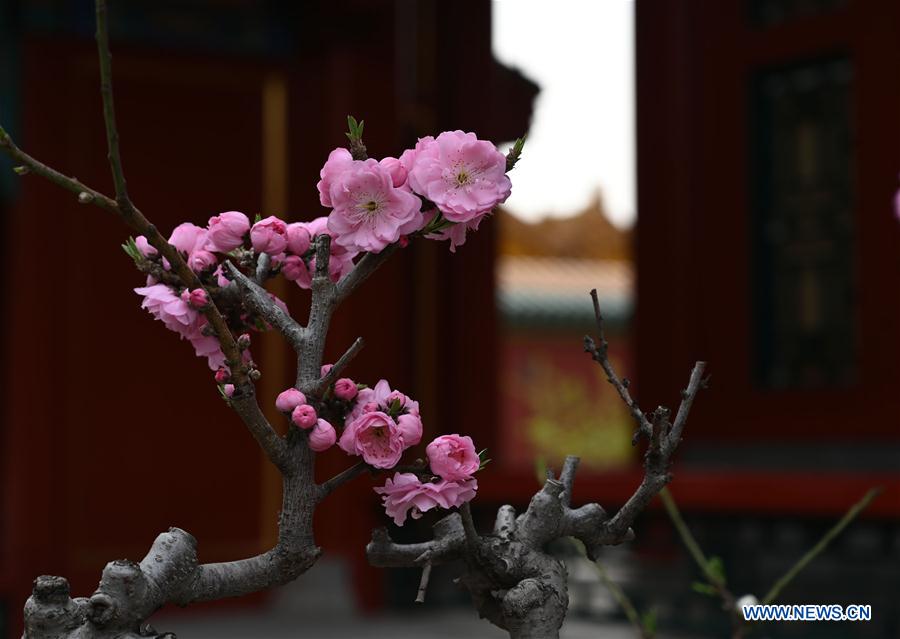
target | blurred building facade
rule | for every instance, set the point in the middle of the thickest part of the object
(221, 106)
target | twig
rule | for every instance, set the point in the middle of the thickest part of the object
(68, 183)
(689, 540)
(472, 537)
(599, 353)
(623, 600)
(329, 486)
(339, 366)
(423, 583)
(826, 539)
(109, 110)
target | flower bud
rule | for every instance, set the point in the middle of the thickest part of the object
(289, 399)
(198, 298)
(223, 375)
(228, 389)
(243, 341)
(322, 436)
(304, 416)
(345, 388)
(255, 374)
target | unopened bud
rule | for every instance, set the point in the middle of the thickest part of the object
(243, 341)
(85, 198)
(223, 375)
(255, 374)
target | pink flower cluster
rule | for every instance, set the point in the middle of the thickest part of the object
(180, 315)
(374, 203)
(379, 424)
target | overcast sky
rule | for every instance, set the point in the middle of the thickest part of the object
(580, 52)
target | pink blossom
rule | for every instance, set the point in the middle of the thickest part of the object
(345, 388)
(369, 212)
(169, 308)
(376, 437)
(294, 268)
(405, 493)
(322, 436)
(178, 316)
(228, 389)
(338, 161)
(221, 280)
(396, 170)
(408, 157)
(208, 346)
(186, 237)
(325, 369)
(269, 236)
(452, 457)
(144, 246)
(464, 176)
(298, 238)
(226, 231)
(383, 397)
(197, 298)
(456, 233)
(223, 375)
(410, 428)
(201, 260)
(304, 416)
(319, 226)
(289, 399)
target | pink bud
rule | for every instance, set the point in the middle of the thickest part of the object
(243, 341)
(403, 241)
(322, 436)
(198, 298)
(395, 169)
(269, 236)
(326, 368)
(200, 261)
(289, 399)
(304, 416)
(345, 388)
(294, 268)
(144, 246)
(298, 239)
(223, 375)
(228, 389)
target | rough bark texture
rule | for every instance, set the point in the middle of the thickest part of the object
(514, 583)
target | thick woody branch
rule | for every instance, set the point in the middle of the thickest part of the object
(448, 545)
(258, 299)
(244, 403)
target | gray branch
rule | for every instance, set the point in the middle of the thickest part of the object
(513, 581)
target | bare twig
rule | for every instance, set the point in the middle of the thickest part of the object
(348, 474)
(816, 550)
(600, 355)
(339, 366)
(623, 600)
(423, 583)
